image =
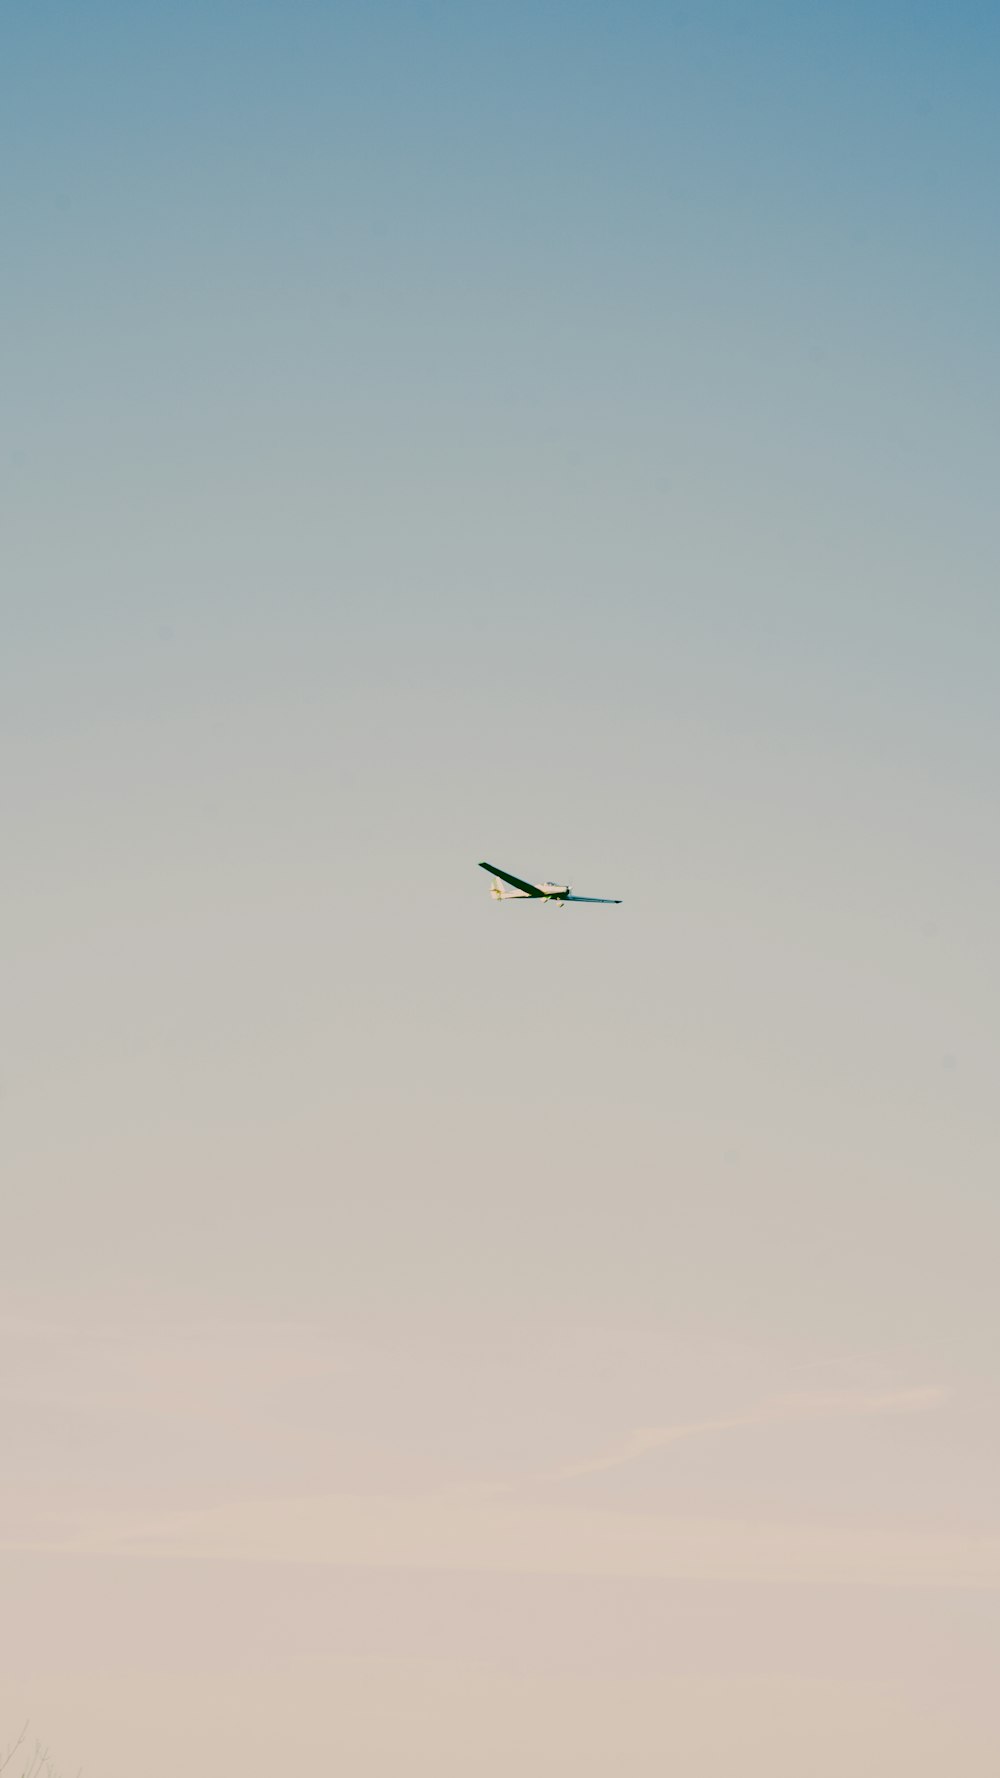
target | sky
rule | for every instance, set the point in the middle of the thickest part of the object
(436, 1335)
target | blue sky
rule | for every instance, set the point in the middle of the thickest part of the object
(705, 286)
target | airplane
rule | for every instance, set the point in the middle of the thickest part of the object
(554, 892)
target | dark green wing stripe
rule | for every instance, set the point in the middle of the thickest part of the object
(515, 882)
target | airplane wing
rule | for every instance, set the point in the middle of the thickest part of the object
(515, 882)
(607, 901)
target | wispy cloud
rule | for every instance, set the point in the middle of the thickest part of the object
(841, 1404)
(530, 1537)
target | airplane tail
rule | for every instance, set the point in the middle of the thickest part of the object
(495, 889)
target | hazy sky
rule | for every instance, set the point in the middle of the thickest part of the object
(449, 1338)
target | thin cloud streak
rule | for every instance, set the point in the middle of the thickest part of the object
(507, 1537)
(846, 1404)
(474, 1533)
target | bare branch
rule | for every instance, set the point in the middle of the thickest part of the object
(9, 1755)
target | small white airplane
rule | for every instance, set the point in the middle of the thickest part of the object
(521, 891)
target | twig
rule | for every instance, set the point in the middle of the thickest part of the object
(9, 1755)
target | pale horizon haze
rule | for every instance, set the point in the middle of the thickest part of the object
(449, 1338)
